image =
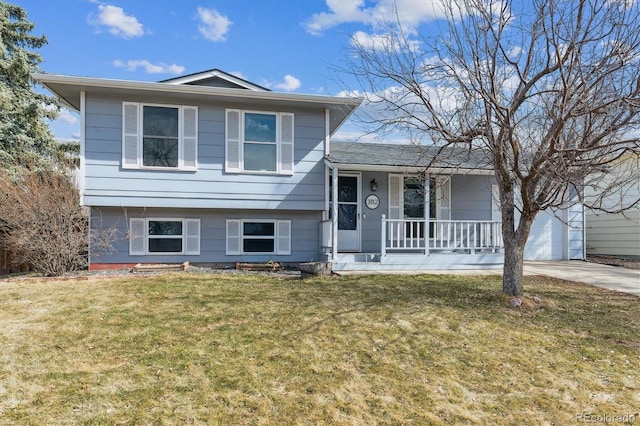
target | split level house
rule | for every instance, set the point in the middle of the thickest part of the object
(213, 169)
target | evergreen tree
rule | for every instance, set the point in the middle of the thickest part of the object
(25, 137)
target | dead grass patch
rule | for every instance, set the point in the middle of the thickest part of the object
(250, 349)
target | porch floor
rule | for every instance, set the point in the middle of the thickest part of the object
(417, 262)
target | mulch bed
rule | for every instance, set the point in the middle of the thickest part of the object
(621, 261)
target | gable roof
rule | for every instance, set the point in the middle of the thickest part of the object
(215, 78)
(406, 158)
(69, 90)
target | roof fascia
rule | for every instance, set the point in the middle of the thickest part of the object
(407, 169)
(47, 79)
(343, 107)
(204, 75)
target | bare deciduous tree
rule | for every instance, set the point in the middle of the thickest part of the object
(547, 90)
(42, 223)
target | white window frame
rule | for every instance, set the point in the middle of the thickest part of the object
(281, 237)
(188, 224)
(443, 193)
(132, 133)
(235, 142)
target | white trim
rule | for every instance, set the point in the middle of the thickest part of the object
(327, 131)
(189, 138)
(126, 85)
(398, 187)
(140, 136)
(279, 248)
(233, 145)
(334, 213)
(131, 151)
(145, 236)
(443, 193)
(233, 243)
(191, 238)
(280, 144)
(439, 184)
(283, 237)
(409, 169)
(137, 235)
(205, 75)
(358, 202)
(496, 211)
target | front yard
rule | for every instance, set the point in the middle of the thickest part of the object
(256, 349)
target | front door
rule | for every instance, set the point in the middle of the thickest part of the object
(348, 212)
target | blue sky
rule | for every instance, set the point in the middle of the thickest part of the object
(286, 45)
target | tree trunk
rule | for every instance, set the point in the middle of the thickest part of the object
(515, 238)
(513, 265)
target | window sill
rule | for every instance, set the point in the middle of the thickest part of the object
(259, 173)
(160, 169)
(163, 254)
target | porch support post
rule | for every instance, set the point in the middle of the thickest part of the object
(427, 204)
(334, 214)
(383, 237)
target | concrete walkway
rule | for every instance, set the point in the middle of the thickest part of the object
(605, 276)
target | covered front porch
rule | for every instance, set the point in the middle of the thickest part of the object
(399, 215)
(452, 244)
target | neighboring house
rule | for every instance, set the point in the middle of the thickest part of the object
(616, 234)
(213, 169)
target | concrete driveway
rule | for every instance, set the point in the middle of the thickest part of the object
(605, 276)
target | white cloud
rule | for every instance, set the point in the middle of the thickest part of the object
(160, 68)
(289, 84)
(386, 42)
(214, 25)
(340, 12)
(118, 22)
(409, 13)
(67, 116)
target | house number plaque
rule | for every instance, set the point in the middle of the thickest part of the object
(372, 201)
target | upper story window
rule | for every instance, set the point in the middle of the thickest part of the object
(259, 142)
(159, 136)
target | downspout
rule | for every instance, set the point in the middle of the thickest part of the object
(82, 171)
(81, 180)
(584, 227)
(327, 168)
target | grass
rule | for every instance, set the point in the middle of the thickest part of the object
(252, 349)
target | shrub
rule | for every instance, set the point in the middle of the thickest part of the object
(42, 222)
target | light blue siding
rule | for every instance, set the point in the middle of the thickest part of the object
(304, 231)
(107, 184)
(471, 197)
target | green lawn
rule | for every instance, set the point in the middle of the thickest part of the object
(365, 350)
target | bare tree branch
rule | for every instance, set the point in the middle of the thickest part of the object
(548, 91)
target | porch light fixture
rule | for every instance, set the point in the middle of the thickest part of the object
(374, 185)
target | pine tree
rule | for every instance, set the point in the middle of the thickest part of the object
(25, 137)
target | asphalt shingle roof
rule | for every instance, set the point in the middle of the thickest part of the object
(378, 154)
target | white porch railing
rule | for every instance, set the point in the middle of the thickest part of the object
(466, 236)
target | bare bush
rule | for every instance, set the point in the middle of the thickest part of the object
(41, 221)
